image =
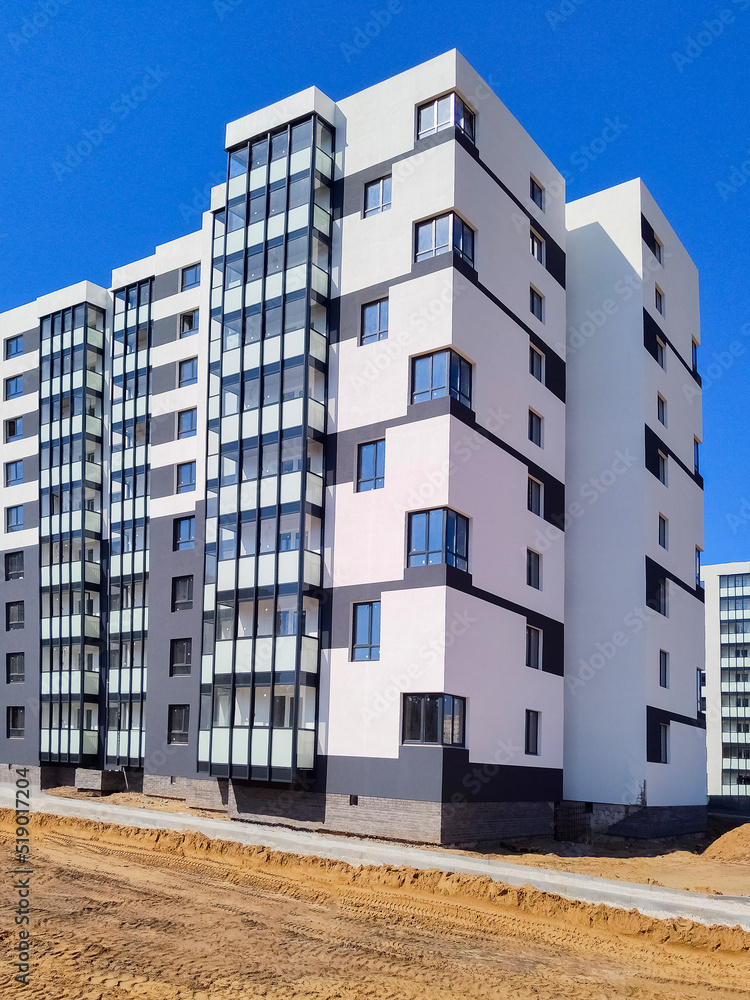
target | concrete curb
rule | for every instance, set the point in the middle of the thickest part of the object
(650, 900)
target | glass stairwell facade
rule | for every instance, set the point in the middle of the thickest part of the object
(70, 447)
(265, 457)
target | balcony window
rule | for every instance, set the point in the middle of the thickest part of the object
(444, 373)
(437, 236)
(439, 114)
(439, 537)
(178, 726)
(434, 718)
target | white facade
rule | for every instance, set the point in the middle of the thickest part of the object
(624, 356)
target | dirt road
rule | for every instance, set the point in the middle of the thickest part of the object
(122, 913)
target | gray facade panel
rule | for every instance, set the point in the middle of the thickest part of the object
(31, 514)
(31, 381)
(165, 284)
(164, 331)
(162, 428)
(162, 482)
(31, 340)
(30, 468)
(166, 625)
(31, 424)
(163, 378)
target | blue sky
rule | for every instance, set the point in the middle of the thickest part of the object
(164, 78)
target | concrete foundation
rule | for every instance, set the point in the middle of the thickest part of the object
(645, 822)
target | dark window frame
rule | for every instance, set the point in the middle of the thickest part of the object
(185, 485)
(179, 543)
(457, 372)
(16, 722)
(178, 725)
(534, 640)
(13, 674)
(454, 539)
(190, 277)
(10, 381)
(192, 431)
(531, 732)
(381, 331)
(376, 481)
(14, 574)
(368, 650)
(192, 379)
(11, 343)
(384, 186)
(450, 714)
(184, 603)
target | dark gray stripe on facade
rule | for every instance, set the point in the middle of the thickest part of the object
(30, 468)
(164, 626)
(655, 574)
(166, 284)
(654, 445)
(337, 618)
(342, 450)
(163, 378)
(656, 717)
(352, 202)
(31, 381)
(648, 234)
(31, 340)
(440, 774)
(652, 330)
(347, 320)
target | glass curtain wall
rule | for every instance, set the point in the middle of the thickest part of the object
(267, 393)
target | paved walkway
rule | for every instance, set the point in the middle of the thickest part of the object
(652, 901)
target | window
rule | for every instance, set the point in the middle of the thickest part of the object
(375, 322)
(179, 721)
(13, 473)
(533, 569)
(189, 323)
(443, 374)
(536, 193)
(533, 647)
(532, 732)
(184, 533)
(535, 428)
(371, 466)
(191, 276)
(437, 236)
(14, 387)
(14, 615)
(182, 593)
(658, 249)
(377, 196)
(664, 743)
(14, 565)
(186, 477)
(536, 364)
(366, 631)
(14, 429)
(662, 468)
(661, 354)
(698, 581)
(14, 518)
(434, 718)
(440, 114)
(694, 354)
(537, 246)
(13, 347)
(696, 456)
(187, 422)
(536, 303)
(663, 668)
(16, 722)
(661, 598)
(15, 667)
(180, 656)
(659, 299)
(534, 497)
(189, 371)
(663, 531)
(661, 410)
(438, 537)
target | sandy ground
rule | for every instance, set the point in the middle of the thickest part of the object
(125, 913)
(718, 863)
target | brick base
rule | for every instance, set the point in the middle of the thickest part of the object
(392, 819)
(87, 779)
(8, 774)
(645, 822)
(201, 794)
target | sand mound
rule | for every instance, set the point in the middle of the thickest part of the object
(732, 846)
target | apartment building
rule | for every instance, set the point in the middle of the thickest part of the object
(298, 546)
(726, 683)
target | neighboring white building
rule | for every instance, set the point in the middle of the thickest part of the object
(727, 681)
(330, 436)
